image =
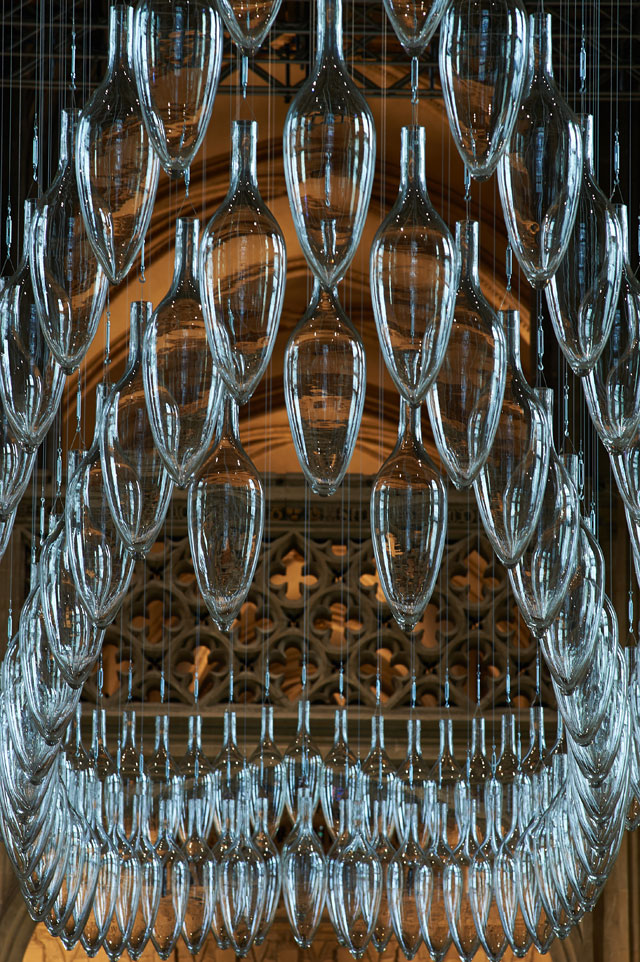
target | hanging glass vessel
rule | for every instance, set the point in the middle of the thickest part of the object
(414, 275)
(408, 522)
(356, 881)
(465, 412)
(128, 889)
(383, 929)
(270, 855)
(541, 578)
(379, 781)
(74, 640)
(268, 776)
(137, 485)
(407, 871)
(182, 387)
(31, 380)
(411, 779)
(583, 292)
(304, 875)
(483, 69)
(612, 386)
(116, 165)
(241, 884)
(510, 486)
(34, 754)
(100, 562)
(458, 882)
(325, 375)
(540, 173)
(69, 284)
(16, 467)
(6, 530)
(302, 763)
(150, 880)
(415, 22)
(230, 773)
(446, 776)
(201, 880)
(329, 154)
(106, 891)
(248, 23)
(163, 775)
(225, 516)
(197, 781)
(174, 889)
(243, 267)
(337, 771)
(177, 56)
(218, 852)
(569, 642)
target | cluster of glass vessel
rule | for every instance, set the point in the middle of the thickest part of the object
(494, 850)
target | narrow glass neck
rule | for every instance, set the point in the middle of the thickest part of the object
(304, 809)
(511, 324)
(267, 723)
(508, 735)
(536, 721)
(623, 219)
(29, 211)
(128, 730)
(410, 423)
(68, 127)
(467, 241)
(73, 460)
(545, 394)
(230, 424)
(140, 315)
(229, 728)
(586, 126)
(478, 744)
(162, 733)
(572, 467)
(244, 152)
(100, 400)
(414, 733)
(413, 169)
(121, 35)
(340, 726)
(186, 250)
(540, 52)
(329, 29)
(99, 728)
(446, 736)
(303, 716)
(195, 732)
(377, 731)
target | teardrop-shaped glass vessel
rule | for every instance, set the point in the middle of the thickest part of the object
(540, 172)
(541, 578)
(302, 763)
(411, 780)
(337, 771)
(465, 408)
(177, 55)
(225, 515)
(174, 888)
(101, 564)
(510, 486)
(407, 870)
(241, 882)
(408, 522)
(75, 641)
(568, 643)
(249, 21)
(201, 881)
(415, 22)
(379, 782)
(16, 466)
(356, 881)
(268, 776)
(116, 165)
(329, 154)
(69, 284)
(243, 267)
(230, 773)
(137, 485)
(266, 847)
(304, 875)
(583, 293)
(483, 69)
(182, 387)
(612, 386)
(325, 375)
(31, 380)
(414, 275)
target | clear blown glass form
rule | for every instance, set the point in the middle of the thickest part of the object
(177, 53)
(243, 266)
(415, 22)
(16, 465)
(69, 284)
(324, 384)
(583, 293)
(540, 173)
(510, 486)
(136, 483)
(414, 274)
(100, 562)
(465, 412)
(483, 68)
(225, 516)
(116, 165)
(408, 522)
(182, 386)
(31, 380)
(612, 386)
(329, 155)
(249, 21)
